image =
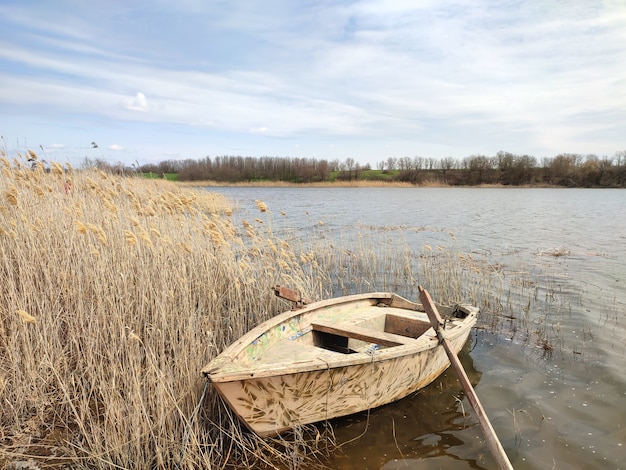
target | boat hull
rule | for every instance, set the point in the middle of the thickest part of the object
(273, 405)
(282, 375)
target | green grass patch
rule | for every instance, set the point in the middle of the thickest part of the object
(162, 176)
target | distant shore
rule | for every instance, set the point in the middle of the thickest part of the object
(349, 184)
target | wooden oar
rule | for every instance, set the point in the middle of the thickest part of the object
(492, 439)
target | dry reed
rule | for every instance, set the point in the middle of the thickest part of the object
(116, 291)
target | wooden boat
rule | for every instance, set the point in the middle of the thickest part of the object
(333, 358)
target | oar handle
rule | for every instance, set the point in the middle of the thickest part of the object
(490, 435)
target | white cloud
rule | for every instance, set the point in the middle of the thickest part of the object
(138, 103)
(442, 73)
(116, 148)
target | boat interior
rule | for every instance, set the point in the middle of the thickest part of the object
(349, 329)
(382, 331)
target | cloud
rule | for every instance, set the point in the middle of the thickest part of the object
(138, 103)
(446, 74)
(116, 148)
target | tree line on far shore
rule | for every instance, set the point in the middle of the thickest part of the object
(567, 169)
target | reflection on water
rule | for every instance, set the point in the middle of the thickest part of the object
(558, 405)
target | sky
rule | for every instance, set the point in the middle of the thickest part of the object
(156, 80)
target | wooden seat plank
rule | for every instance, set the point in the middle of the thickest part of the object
(363, 334)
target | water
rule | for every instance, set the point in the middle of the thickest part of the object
(560, 408)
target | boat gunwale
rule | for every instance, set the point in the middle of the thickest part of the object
(417, 346)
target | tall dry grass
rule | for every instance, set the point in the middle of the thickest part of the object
(116, 291)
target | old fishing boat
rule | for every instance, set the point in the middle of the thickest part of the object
(333, 358)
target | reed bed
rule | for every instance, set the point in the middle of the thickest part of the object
(117, 290)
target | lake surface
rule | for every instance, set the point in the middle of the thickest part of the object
(559, 407)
